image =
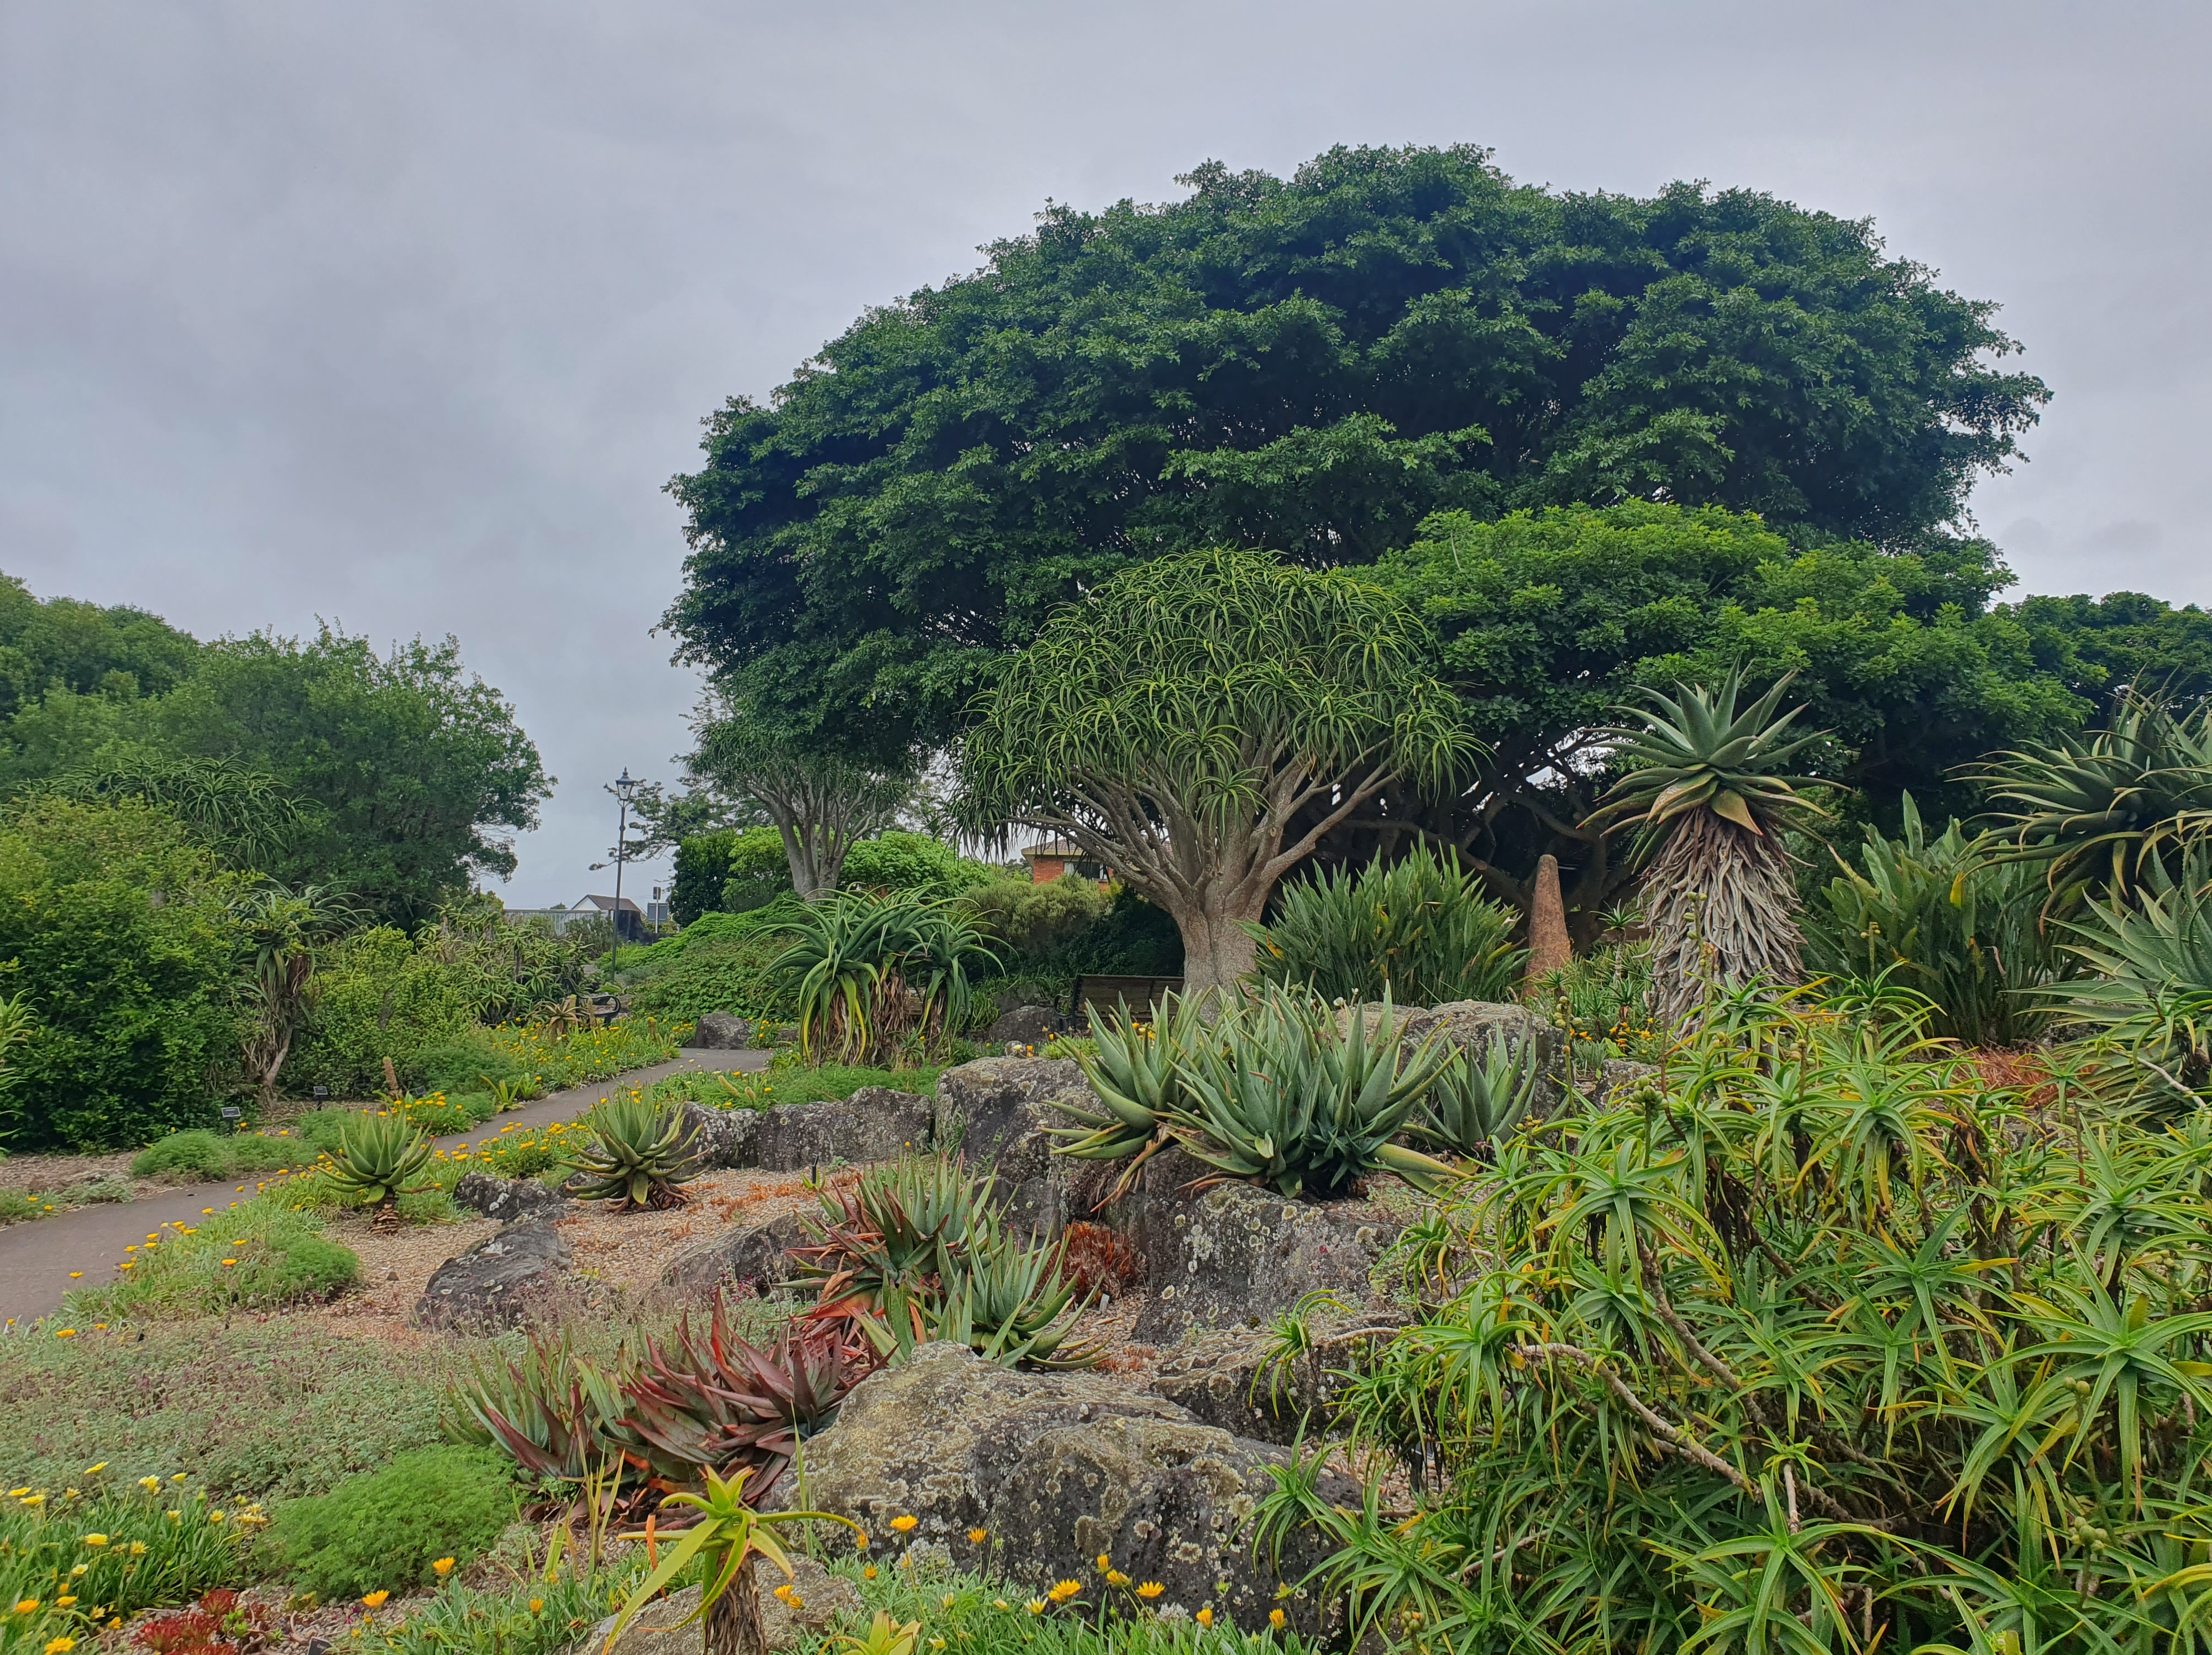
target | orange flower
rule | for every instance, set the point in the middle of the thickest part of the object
(977, 1536)
(444, 1567)
(904, 1523)
(1205, 1616)
(1150, 1589)
(1277, 1619)
(375, 1600)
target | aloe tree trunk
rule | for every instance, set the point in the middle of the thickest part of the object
(732, 1622)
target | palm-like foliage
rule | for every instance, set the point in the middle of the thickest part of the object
(1821, 1343)
(376, 1155)
(2100, 812)
(874, 972)
(1706, 786)
(279, 931)
(1936, 915)
(1418, 930)
(640, 1155)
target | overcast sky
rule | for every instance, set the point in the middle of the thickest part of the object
(402, 315)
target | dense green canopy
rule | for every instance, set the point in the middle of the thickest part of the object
(1312, 366)
(1546, 622)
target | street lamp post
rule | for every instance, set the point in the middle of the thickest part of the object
(625, 790)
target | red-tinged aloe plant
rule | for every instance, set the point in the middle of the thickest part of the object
(723, 1405)
(899, 1225)
(556, 1412)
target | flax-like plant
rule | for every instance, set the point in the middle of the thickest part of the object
(1705, 789)
(1419, 929)
(1821, 1341)
(874, 973)
(1197, 723)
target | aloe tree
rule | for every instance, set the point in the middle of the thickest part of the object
(1705, 787)
(1177, 721)
(821, 801)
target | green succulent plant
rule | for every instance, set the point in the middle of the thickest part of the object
(640, 1156)
(1135, 1068)
(2150, 987)
(1009, 1300)
(1289, 1098)
(375, 1156)
(1705, 790)
(1477, 1099)
(898, 1225)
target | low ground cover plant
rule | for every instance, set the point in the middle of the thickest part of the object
(197, 1154)
(251, 1407)
(386, 1529)
(81, 1557)
(263, 1255)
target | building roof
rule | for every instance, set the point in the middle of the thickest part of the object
(605, 904)
(1066, 849)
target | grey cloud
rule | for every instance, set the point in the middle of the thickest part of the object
(403, 314)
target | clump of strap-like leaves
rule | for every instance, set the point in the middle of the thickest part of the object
(1275, 1086)
(1705, 789)
(1817, 1341)
(1419, 929)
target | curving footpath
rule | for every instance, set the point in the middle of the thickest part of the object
(37, 1256)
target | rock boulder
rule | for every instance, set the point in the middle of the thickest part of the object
(995, 1111)
(1060, 1467)
(874, 1125)
(748, 1258)
(505, 1199)
(1024, 1025)
(723, 1137)
(1228, 1379)
(1233, 1254)
(721, 1031)
(496, 1282)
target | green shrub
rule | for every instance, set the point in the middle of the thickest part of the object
(261, 1256)
(737, 975)
(1937, 916)
(1033, 920)
(119, 929)
(468, 1062)
(379, 994)
(196, 1151)
(381, 1531)
(261, 1151)
(1418, 928)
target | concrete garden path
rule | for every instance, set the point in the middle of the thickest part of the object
(37, 1254)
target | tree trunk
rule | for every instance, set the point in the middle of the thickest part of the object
(733, 1620)
(1217, 949)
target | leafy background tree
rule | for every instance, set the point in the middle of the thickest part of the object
(1315, 365)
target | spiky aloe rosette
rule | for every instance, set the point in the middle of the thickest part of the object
(1705, 789)
(640, 1158)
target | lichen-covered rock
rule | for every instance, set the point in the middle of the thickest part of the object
(721, 1031)
(874, 1125)
(723, 1137)
(1059, 1468)
(505, 1199)
(496, 1282)
(658, 1628)
(1233, 1254)
(750, 1258)
(1229, 1380)
(996, 1111)
(1025, 1026)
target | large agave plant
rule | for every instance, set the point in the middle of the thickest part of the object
(640, 1156)
(1011, 1301)
(2100, 811)
(1475, 1100)
(1705, 787)
(903, 1225)
(1287, 1098)
(722, 1403)
(375, 1156)
(1136, 1070)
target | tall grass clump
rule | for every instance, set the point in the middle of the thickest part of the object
(1419, 929)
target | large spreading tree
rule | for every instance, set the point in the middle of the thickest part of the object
(1313, 366)
(1179, 720)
